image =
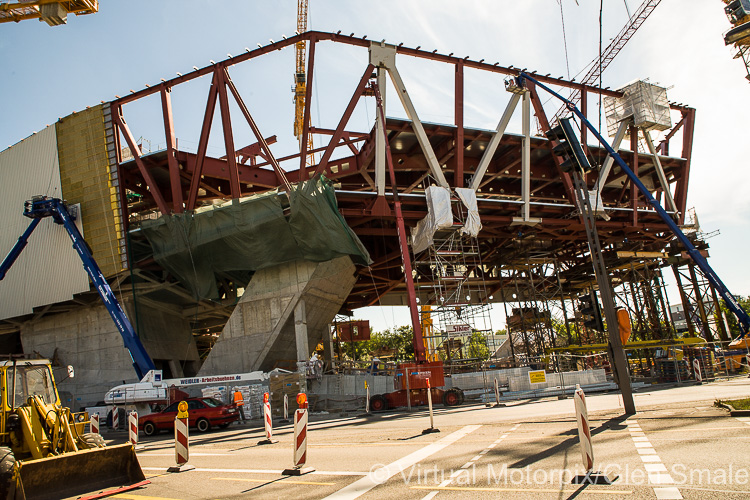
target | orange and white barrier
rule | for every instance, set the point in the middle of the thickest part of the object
(300, 439)
(94, 421)
(181, 440)
(267, 421)
(116, 418)
(584, 431)
(133, 427)
(697, 370)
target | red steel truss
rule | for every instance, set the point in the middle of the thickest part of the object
(174, 180)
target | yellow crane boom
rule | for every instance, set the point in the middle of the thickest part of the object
(53, 12)
(300, 82)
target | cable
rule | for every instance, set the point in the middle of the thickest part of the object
(601, 10)
(565, 40)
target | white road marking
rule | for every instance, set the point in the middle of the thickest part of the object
(383, 474)
(266, 471)
(468, 464)
(657, 471)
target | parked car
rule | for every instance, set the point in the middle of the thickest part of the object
(203, 413)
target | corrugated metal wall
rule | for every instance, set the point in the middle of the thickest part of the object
(48, 270)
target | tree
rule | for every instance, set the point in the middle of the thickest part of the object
(734, 327)
(477, 346)
(399, 338)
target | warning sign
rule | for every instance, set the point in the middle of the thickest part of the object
(537, 377)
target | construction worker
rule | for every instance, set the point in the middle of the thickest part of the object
(239, 402)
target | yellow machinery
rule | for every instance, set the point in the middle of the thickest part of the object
(44, 452)
(53, 12)
(738, 12)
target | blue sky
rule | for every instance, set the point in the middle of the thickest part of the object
(51, 72)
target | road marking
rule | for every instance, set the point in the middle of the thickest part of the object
(468, 464)
(520, 490)
(140, 497)
(744, 420)
(276, 472)
(383, 474)
(152, 454)
(656, 470)
(285, 481)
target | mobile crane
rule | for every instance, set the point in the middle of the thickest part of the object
(40, 207)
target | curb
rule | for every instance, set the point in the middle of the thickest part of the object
(732, 411)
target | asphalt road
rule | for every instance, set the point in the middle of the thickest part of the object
(678, 445)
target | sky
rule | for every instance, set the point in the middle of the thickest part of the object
(50, 72)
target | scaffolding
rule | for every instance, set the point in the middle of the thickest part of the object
(450, 281)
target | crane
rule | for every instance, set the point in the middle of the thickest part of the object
(53, 12)
(300, 82)
(738, 12)
(635, 22)
(40, 207)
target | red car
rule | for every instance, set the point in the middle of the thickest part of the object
(203, 413)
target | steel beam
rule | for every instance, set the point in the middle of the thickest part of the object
(489, 152)
(136, 151)
(175, 181)
(344, 120)
(208, 117)
(660, 171)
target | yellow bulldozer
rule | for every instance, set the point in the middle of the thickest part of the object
(44, 450)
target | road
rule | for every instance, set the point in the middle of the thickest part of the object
(678, 445)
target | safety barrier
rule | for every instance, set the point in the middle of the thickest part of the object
(432, 428)
(115, 419)
(587, 448)
(268, 423)
(181, 440)
(697, 370)
(94, 421)
(133, 427)
(367, 397)
(300, 439)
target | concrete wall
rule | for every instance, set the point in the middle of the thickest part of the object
(87, 338)
(261, 330)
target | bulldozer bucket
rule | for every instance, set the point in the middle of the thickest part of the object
(73, 474)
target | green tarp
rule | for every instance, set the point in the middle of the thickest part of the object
(252, 235)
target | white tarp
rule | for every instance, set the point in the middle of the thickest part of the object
(473, 224)
(439, 216)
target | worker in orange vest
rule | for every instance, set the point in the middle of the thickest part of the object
(239, 402)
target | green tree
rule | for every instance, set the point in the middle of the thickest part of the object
(477, 346)
(734, 327)
(399, 338)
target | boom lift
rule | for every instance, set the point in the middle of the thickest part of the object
(742, 316)
(40, 207)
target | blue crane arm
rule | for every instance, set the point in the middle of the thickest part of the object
(55, 208)
(700, 261)
(17, 248)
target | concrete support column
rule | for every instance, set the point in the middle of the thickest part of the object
(300, 331)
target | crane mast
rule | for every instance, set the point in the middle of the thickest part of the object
(300, 82)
